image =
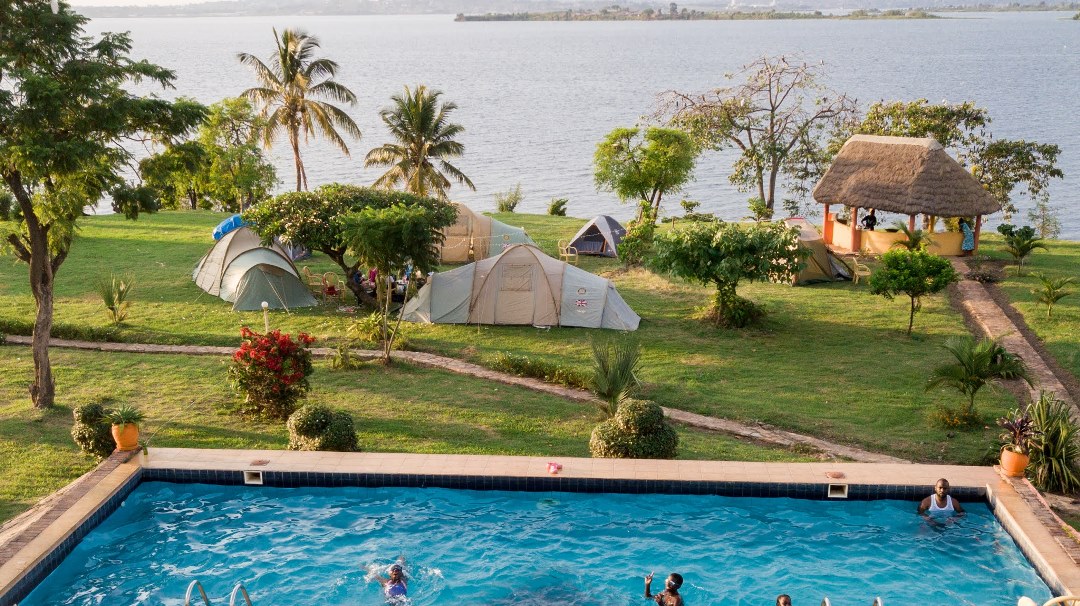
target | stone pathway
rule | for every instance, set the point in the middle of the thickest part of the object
(994, 323)
(758, 433)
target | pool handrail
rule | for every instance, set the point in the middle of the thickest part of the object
(202, 592)
(243, 591)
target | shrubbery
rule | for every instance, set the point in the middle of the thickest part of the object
(1055, 448)
(272, 372)
(637, 243)
(552, 372)
(92, 430)
(637, 431)
(316, 427)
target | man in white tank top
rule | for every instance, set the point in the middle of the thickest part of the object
(941, 502)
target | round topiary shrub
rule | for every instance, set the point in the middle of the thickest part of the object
(92, 431)
(316, 427)
(637, 431)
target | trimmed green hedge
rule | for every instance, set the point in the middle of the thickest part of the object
(637, 431)
(316, 427)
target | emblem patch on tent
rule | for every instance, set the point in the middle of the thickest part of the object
(581, 291)
(581, 303)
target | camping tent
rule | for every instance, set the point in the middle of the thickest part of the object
(521, 286)
(601, 236)
(242, 271)
(483, 235)
(821, 265)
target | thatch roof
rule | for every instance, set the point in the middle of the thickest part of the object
(902, 175)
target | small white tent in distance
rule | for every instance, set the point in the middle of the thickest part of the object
(243, 272)
(521, 286)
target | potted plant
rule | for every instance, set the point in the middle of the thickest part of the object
(125, 420)
(1018, 435)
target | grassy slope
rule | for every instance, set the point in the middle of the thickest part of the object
(401, 409)
(1061, 332)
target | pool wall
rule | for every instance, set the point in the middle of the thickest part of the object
(44, 542)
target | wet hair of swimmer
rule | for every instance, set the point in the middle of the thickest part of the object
(783, 600)
(674, 580)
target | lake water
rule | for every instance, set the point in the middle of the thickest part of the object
(535, 98)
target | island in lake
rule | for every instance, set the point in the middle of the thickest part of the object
(674, 13)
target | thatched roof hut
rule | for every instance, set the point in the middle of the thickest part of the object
(903, 175)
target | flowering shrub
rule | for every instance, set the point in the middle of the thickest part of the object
(272, 372)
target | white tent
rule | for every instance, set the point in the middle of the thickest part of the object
(242, 271)
(521, 286)
(601, 237)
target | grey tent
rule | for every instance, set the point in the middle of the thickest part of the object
(243, 272)
(601, 237)
(478, 236)
(821, 265)
(521, 286)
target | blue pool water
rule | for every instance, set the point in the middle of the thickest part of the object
(320, 546)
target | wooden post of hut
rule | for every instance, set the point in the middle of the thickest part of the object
(827, 227)
(978, 229)
(856, 240)
(911, 223)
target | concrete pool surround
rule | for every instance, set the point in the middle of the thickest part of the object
(32, 545)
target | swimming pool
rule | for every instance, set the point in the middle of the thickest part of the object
(318, 545)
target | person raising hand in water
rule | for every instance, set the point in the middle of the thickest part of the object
(394, 586)
(670, 595)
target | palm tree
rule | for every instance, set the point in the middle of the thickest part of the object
(290, 94)
(978, 363)
(914, 239)
(424, 136)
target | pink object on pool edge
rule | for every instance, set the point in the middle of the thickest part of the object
(554, 468)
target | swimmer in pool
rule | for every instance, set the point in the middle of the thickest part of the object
(941, 502)
(670, 595)
(394, 587)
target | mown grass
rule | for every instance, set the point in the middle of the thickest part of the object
(403, 408)
(1061, 332)
(831, 360)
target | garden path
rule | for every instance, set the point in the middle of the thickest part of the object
(987, 314)
(757, 433)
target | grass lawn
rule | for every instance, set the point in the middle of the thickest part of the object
(1061, 332)
(830, 360)
(401, 409)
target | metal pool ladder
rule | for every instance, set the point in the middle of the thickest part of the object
(238, 590)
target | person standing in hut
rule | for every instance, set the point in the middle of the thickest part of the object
(967, 247)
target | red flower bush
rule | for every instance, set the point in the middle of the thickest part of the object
(271, 371)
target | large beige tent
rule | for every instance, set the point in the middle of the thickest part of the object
(521, 286)
(481, 234)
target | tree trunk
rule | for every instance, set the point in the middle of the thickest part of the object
(911, 317)
(43, 391)
(301, 178)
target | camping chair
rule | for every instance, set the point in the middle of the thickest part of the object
(567, 253)
(859, 270)
(332, 287)
(313, 281)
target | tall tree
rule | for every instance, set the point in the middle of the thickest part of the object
(238, 175)
(290, 93)
(177, 174)
(644, 167)
(777, 117)
(64, 116)
(424, 137)
(963, 128)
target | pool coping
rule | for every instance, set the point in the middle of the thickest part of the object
(44, 542)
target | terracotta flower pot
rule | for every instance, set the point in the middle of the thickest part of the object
(126, 436)
(1013, 463)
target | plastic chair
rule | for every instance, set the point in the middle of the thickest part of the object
(567, 253)
(314, 282)
(331, 286)
(859, 270)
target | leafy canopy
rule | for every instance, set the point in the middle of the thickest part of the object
(644, 166)
(724, 254)
(915, 273)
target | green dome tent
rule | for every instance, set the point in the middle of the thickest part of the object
(243, 272)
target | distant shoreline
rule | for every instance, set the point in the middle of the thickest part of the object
(694, 15)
